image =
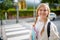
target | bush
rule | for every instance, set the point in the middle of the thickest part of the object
(22, 13)
(2, 16)
(56, 11)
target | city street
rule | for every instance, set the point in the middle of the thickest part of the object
(18, 16)
(15, 31)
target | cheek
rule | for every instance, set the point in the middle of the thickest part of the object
(47, 13)
(39, 13)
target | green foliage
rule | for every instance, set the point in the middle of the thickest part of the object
(2, 16)
(51, 1)
(23, 13)
(6, 4)
(57, 12)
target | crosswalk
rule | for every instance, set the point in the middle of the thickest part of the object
(15, 32)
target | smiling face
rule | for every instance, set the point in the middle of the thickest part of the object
(43, 11)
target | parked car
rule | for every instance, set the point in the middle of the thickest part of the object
(52, 16)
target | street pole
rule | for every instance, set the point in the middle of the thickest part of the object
(1, 27)
(17, 9)
(1, 21)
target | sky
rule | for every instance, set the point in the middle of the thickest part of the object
(32, 1)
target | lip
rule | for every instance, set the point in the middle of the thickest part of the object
(43, 14)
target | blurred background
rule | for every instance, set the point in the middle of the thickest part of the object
(20, 11)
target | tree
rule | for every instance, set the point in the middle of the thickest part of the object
(5, 5)
(51, 1)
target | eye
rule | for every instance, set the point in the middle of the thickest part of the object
(45, 10)
(41, 10)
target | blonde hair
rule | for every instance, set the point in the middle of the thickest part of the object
(41, 5)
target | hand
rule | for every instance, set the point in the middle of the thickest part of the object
(33, 25)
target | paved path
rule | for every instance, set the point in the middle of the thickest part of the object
(15, 32)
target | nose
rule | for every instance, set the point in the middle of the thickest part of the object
(42, 12)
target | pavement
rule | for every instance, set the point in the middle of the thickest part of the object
(13, 21)
(14, 31)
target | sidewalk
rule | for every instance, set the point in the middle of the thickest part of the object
(16, 32)
(13, 21)
(6, 22)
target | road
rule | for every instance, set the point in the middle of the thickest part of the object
(15, 32)
(30, 21)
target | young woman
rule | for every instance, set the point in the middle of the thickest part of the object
(40, 25)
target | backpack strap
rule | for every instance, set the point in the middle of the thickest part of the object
(48, 29)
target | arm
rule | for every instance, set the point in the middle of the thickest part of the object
(54, 33)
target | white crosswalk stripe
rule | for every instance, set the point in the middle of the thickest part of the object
(15, 32)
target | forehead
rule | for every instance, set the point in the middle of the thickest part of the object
(43, 7)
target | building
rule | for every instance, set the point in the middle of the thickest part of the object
(22, 4)
(25, 4)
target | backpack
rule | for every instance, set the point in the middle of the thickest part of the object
(48, 29)
(1, 38)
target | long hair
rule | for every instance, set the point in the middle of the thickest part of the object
(42, 4)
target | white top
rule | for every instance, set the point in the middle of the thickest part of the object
(53, 30)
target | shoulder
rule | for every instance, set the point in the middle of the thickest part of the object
(53, 26)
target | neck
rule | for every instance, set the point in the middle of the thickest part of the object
(44, 20)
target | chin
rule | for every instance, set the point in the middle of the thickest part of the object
(44, 17)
